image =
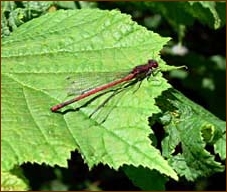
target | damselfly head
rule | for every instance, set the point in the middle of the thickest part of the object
(153, 63)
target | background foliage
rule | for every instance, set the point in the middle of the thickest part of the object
(196, 28)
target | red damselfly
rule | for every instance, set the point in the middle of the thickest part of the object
(138, 73)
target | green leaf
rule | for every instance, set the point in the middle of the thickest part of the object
(189, 131)
(145, 178)
(10, 182)
(206, 12)
(220, 147)
(36, 61)
(180, 14)
(175, 13)
(14, 14)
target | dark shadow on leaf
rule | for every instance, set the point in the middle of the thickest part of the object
(115, 92)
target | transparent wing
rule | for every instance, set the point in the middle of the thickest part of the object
(83, 82)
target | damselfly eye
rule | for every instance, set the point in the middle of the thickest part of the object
(153, 63)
